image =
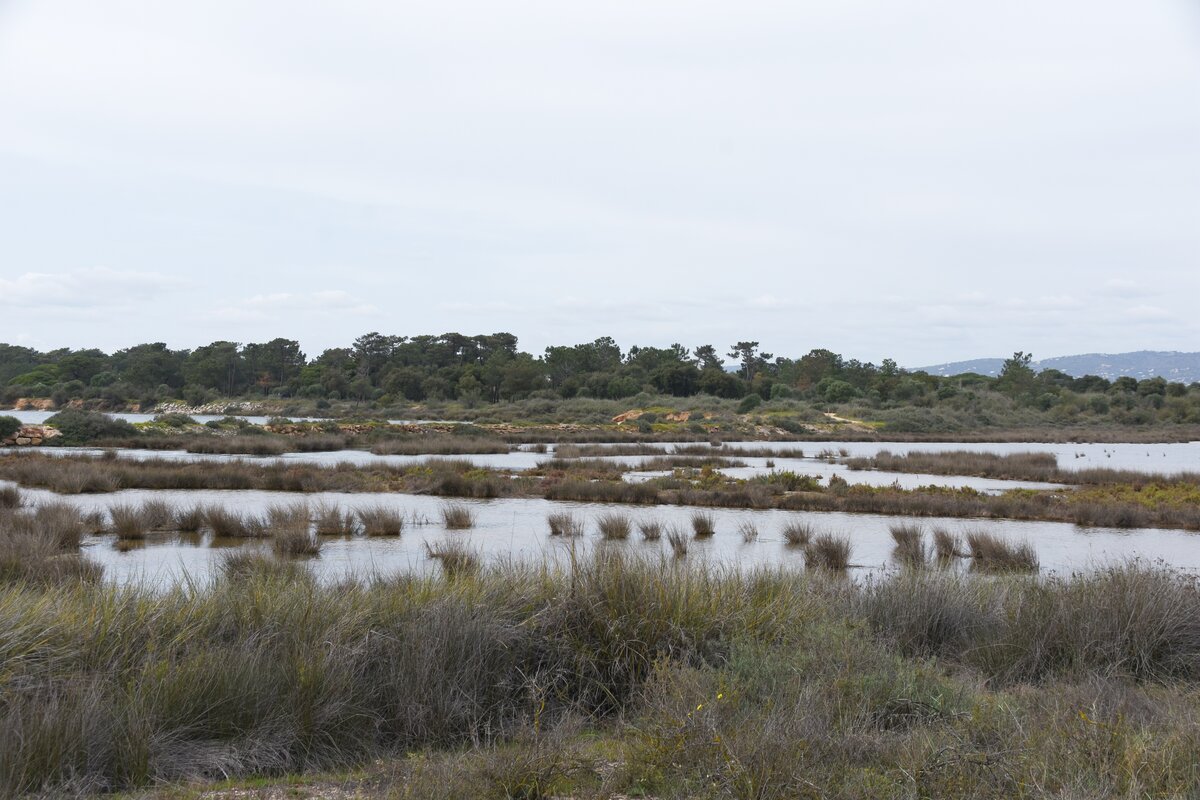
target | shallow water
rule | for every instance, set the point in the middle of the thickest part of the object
(515, 528)
(31, 417)
(1164, 457)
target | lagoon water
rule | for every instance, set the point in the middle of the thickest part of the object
(516, 528)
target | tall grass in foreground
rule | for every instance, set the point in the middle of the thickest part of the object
(10, 497)
(266, 672)
(752, 680)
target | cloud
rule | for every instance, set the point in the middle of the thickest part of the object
(1147, 313)
(93, 289)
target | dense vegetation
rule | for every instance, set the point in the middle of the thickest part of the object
(480, 377)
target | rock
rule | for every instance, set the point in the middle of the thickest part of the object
(24, 441)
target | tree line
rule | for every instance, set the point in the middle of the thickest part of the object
(490, 369)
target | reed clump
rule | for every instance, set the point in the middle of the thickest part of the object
(291, 531)
(332, 520)
(678, 541)
(651, 529)
(748, 531)
(456, 559)
(614, 526)
(380, 520)
(797, 533)
(227, 523)
(946, 545)
(704, 525)
(910, 548)
(564, 524)
(458, 516)
(990, 553)
(827, 552)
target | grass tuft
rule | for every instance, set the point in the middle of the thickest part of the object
(703, 524)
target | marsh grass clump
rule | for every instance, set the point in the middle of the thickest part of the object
(458, 516)
(614, 526)
(827, 552)
(797, 533)
(158, 515)
(128, 521)
(189, 520)
(910, 544)
(651, 529)
(36, 560)
(748, 531)
(564, 524)
(456, 558)
(229, 524)
(379, 520)
(990, 553)
(10, 497)
(704, 524)
(678, 541)
(295, 542)
(257, 445)
(946, 545)
(331, 520)
(252, 564)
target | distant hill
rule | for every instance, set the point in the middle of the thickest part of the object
(1174, 366)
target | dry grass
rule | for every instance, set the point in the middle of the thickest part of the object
(704, 524)
(748, 531)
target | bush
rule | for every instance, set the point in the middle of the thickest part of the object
(9, 426)
(83, 427)
(749, 403)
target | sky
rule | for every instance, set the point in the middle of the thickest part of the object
(925, 181)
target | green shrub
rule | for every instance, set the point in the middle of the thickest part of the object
(9, 426)
(749, 403)
(83, 427)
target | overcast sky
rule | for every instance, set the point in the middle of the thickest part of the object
(927, 181)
